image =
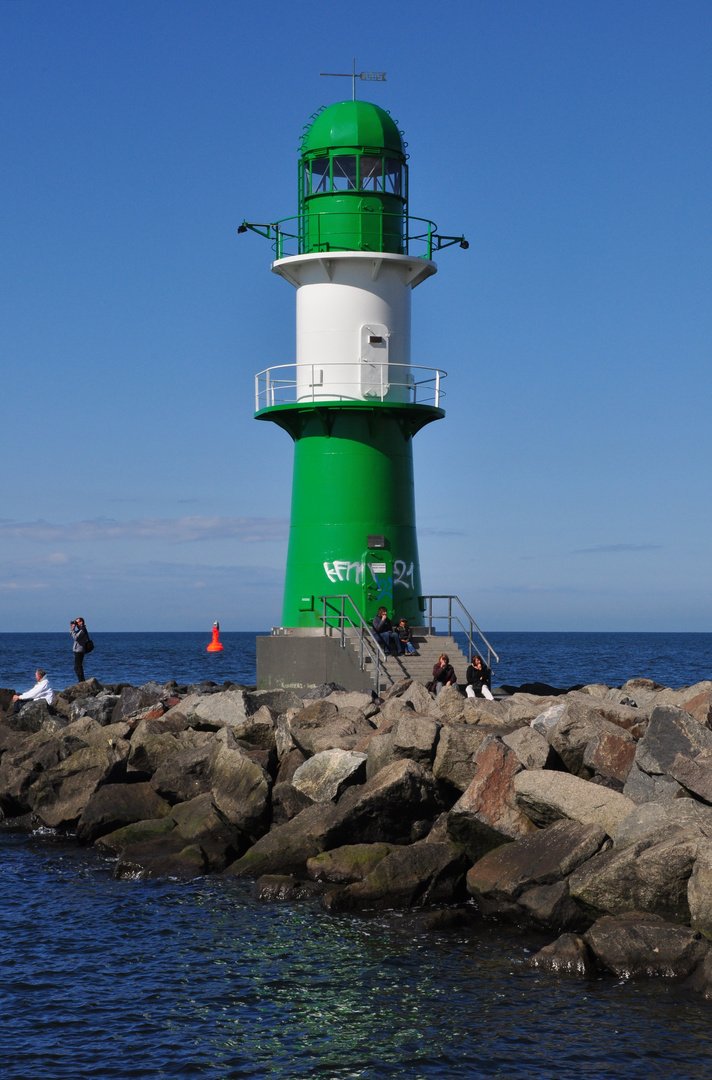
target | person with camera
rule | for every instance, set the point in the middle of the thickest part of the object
(78, 630)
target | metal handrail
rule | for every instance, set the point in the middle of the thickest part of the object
(456, 619)
(271, 390)
(361, 627)
(275, 231)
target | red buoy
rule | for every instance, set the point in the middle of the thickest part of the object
(215, 645)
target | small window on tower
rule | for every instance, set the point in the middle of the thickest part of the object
(371, 173)
(344, 173)
(394, 177)
(319, 176)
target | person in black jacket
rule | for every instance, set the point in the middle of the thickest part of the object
(78, 630)
(385, 634)
(478, 678)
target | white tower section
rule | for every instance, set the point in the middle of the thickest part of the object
(353, 323)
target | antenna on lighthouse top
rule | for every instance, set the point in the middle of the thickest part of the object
(365, 76)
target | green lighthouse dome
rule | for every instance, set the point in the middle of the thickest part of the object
(353, 124)
(353, 181)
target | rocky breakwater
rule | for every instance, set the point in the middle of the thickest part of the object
(584, 814)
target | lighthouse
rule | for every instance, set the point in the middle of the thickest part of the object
(352, 400)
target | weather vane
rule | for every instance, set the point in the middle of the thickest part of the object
(365, 76)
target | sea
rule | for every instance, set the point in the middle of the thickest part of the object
(167, 979)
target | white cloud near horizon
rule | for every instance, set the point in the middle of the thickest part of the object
(170, 530)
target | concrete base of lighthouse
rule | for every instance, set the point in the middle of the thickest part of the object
(299, 658)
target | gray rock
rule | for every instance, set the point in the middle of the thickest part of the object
(640, 787)
(286, 848)
(642, 876)
(239, 786)
(578, 725)
(184, 774)
(547, 796)
(278, 701)
(551, 907)
(699, 890)
(659, 821)
(639, 944)
(411, 736)
(113, 806)
(544, 858)
(324, 777)
(548, 717)
(455, 754)
(273, 888)
(322, 727)
(695, 774)
(609, 755)
(671, 731)
(60, 795)
(99, 707)
(531, 747)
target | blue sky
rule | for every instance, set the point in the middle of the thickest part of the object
(568, 486)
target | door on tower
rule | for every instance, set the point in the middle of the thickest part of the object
(377, 579)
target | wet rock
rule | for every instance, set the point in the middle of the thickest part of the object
(486, 814)
(345, 865)
(639, 944)
(286, 848)
(324, 777)
(417, 875)
(547, 796)
(137, 835)
(190, 862)
(276, 887)
(199, 821)
(567, 955)
(551, 907)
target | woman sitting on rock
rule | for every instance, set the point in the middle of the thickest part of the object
(478, 679)
(443, 674)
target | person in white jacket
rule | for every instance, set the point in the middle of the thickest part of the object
(41, 689)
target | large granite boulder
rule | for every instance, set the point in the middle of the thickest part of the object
(321, 726)
(113, 806)
(486, 814)
(239, 786)
(579, 725)
(455, 754)
(60, 795)
(286, 848)
(671, 732)
(640, 944)
(642, 876)
(547, 796)
(409, 736)
(530, 746)
(699, 890)
(543, 859)
(22, 764)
